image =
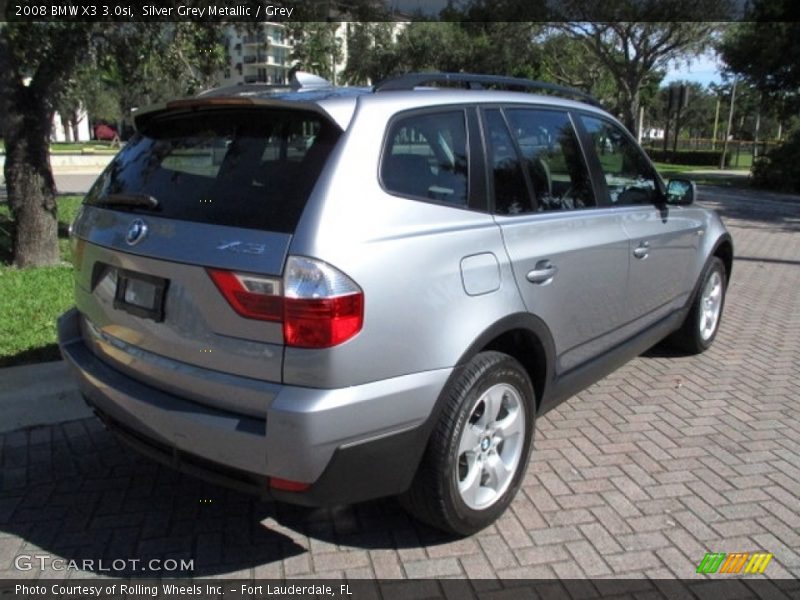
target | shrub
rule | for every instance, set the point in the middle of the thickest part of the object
(777, 169)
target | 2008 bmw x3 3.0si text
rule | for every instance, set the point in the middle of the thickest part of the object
(333, 294)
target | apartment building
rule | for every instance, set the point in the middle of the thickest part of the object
(257, 57)
(265, 56)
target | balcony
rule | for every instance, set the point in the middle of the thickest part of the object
(255, 39)
(261, 39)
(249, 59)
(251, 78)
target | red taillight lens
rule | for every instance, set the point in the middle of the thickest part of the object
(249, 295)
(318, 305)
(322, 322)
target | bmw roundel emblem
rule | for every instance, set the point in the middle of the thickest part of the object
(136, 232)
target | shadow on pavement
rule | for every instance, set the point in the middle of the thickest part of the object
(74, 492)
(761, 209)
(41, 354)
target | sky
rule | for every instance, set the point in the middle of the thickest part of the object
(703, 69)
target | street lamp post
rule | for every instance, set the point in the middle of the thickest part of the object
(730, 124)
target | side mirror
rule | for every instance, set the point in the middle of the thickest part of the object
(681, 191)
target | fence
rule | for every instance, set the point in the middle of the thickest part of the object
(741, 152)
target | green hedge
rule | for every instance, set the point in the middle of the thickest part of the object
(777, 169)
(695, 158)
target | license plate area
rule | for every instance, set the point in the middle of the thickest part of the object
(140, 294)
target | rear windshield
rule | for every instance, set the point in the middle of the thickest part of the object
(252, 169)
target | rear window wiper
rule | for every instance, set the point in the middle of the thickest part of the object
(132, 200)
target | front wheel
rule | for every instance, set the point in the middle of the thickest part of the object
(477, 454)
(702, 323)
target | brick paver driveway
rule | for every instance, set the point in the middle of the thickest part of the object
(640, 475)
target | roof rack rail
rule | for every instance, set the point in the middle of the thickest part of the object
(473, 81)
(243, 89)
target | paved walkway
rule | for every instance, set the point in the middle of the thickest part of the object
(39, 394)
(638, 476)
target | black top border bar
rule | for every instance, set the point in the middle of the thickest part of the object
(542, 11)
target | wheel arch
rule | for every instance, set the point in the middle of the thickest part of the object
(526, 338)
(723, 249)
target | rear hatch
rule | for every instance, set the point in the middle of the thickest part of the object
(200, 191)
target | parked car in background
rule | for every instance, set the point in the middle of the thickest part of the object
(105, 133)
(328, 295)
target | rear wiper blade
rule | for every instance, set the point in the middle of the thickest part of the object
(140, 200)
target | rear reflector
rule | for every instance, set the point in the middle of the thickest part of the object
(318, 305)
(287, 485)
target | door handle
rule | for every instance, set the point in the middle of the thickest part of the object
(642, 250)
(542, 273)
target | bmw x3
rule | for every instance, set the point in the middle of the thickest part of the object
(329, 295)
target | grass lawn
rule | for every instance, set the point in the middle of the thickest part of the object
(32, 299)
(92, 147)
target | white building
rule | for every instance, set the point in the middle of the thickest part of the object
(262, 57)
(653, 133)
(59, 133)
(266, 56)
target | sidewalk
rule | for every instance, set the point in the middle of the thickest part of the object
(67, 163)
(40, 394)
(722, 172)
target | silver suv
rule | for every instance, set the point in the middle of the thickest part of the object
(333, 294)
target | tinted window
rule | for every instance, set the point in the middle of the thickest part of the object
(510, 190)
(629, 177)
(426, 157)
(252, 169)
(553, 158)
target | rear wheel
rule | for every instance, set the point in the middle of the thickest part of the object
(702, 323)
(478, 451)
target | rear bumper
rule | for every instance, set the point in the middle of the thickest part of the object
(351, 444)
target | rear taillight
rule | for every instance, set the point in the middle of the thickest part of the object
(323, 306)
(318, 305)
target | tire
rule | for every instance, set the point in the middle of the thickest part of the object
(474, 462)
(702, 323)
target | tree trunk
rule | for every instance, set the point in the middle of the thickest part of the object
(76, 132)
(65, 125)
(29, 179)
(631, 110)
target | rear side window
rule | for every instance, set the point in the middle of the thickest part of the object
(511, 195)
(253, 169)
(426, 157)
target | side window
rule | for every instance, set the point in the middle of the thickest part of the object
(629, 177)
(426, 157)
(511, 195)
(553, 158)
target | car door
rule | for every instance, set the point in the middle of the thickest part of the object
(664, 239)
(569, 257)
